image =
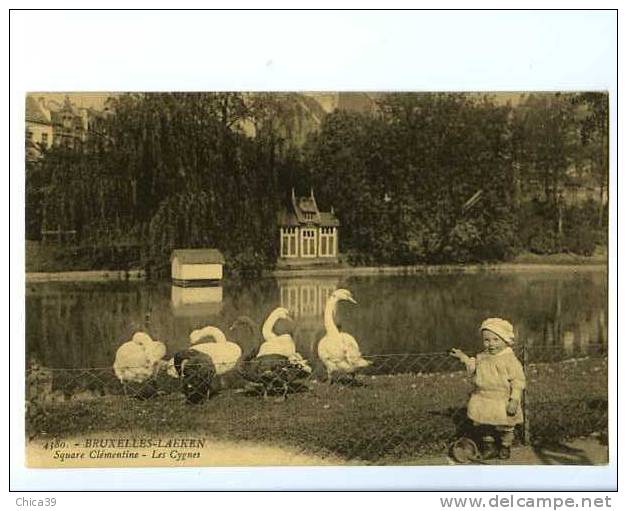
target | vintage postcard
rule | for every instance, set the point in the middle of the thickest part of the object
(316, 278)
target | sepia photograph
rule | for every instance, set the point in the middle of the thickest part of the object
(343, 278)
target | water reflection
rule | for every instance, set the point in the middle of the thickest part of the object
(196, 301)
(82, 324)
(306, 299)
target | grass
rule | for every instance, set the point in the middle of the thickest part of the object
(53, 258)
(388, 420)
(598, 257)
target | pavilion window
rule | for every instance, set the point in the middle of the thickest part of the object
(308, 242)
(331, 241)
(327, 241)
(288, 242)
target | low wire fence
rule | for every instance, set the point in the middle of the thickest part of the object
(401, 407)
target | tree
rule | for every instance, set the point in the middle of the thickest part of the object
(399, 180)
(594, 132)
(546, 147)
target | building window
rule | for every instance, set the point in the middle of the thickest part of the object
(327, 241)
(308, 242)
(44, 139)
(288, 242)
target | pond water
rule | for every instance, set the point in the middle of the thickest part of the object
(563, 313)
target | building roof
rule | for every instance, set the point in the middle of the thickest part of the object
(289, 219)
(304, 205)
(307, 205)
(198, 256)
(313, 107)
(328, 219)
(356, 102)
(305, 212)
(68, 106)
(35, 111)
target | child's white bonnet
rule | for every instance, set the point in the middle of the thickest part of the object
(500, 327)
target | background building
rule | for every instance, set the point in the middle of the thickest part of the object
(50, 122)
(306, 233)
(39, 127)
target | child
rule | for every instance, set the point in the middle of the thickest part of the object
(499, 380)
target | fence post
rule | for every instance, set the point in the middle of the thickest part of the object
(526, 432)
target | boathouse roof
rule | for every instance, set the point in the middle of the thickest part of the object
(198, 256)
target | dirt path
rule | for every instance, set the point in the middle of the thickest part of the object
(581, 451)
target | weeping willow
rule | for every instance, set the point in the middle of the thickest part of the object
(184, 170)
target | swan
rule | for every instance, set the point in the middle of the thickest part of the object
(271, 371)
(339, 351)
(196, 371)
(139, 359)
(224, 354)
(276, 344)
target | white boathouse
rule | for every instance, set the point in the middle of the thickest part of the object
(196, 267)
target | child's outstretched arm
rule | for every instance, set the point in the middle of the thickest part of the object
(469, 362)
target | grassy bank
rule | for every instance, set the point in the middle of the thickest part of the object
(53, 258)
(47, 259)
(598, 257)
(85, 276)
(388, 420)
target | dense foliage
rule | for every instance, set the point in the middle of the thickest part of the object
(430, 178)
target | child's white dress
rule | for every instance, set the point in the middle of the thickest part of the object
(496, 378)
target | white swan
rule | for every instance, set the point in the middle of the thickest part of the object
(280, 344)
(224, 354)
(271, 371)
(138, 359)
(276, 344)
(339, 351)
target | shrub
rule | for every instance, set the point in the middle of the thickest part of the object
(537, 227)
(247, 264)
(543, 242)
(581, 231)
(463, 243)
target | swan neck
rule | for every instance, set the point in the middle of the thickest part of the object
(268, 327)
(329, 321)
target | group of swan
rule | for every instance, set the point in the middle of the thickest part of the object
(210, 353)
